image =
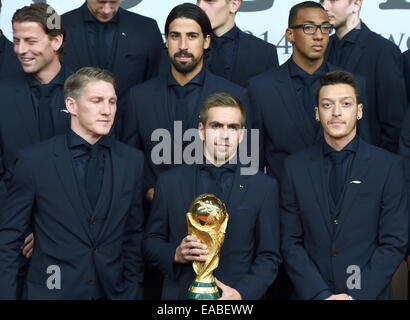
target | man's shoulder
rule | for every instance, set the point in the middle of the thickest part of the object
(135, 18)
(220, 82)
(254, 42)
(17, 78)
(127, 152)
(375, 42)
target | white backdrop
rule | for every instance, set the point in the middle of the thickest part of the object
(266, 19)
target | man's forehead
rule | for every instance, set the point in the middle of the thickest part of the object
(316, 15)
(185, 25)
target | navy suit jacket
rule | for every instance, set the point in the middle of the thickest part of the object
(252, 56)
(282, 119)
(380, 62)
(370, 232)
(145, 109)
(250, 255)
(18, 124)
(406, 56)
(9, 63)
(44, 192)
(138, 47)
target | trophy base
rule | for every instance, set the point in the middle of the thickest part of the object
(203, 291)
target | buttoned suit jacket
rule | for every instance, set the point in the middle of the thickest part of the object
(44, 191)
(250, 255)
(368, 236)
(137, 51)
(380, 62)
(282, 119)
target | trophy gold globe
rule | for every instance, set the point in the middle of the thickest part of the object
(207, 220)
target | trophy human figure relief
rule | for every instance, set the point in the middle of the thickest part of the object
(207, 220)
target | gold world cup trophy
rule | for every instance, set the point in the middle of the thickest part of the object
(207, 220)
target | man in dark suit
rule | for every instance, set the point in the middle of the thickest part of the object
(8, 60)
(82, 192)
(359, 50)
(250, 255)
(174, 96)
(102, 34)
(235, 55)
(343, 205)
(32, 107)
(284, 100)
(406, 56)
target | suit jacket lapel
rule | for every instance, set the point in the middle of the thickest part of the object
(188, 186)
(356, 181)
(61, 118)
(238, 191)
(318, 178)
(79, 41)
(24, 104)
(64, 166)
(358, 49)
(293, 106)
(122, 44)
(118, 178)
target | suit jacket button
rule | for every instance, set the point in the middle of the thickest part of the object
(329, 282)
(335, 253)
(95, 249)
(91, 282)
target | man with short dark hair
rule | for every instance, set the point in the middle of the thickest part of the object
(102, 34)
(343, 205)
(82, 193)
(8, 61)
(235, 55)
(357, 49)
(250, 255)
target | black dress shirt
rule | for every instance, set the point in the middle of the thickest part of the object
(57, 83)
(103, 55)
(341, 49)
(183, 100)
(80, 151)
(2, 48)
(216, 180)
(222, 52)
(306, 86)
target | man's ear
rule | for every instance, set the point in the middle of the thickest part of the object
(201, 131)
(242, 134)
(234, 6)
(71, 106)
(317, 117)
(290, 35)
(207, 42)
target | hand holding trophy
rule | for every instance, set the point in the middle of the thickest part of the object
(207, 220)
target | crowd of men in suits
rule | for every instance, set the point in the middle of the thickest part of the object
(88, 185)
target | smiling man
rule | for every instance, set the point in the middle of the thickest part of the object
(102, 34)
(235, 55)
(343, 206)
(82, 193)
(250, 255)
(357, 49)
(32, 97)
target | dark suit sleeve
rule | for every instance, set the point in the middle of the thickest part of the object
(392, 238)
(132, 244)
(157, 248)
(305, 276)
(390, 95)
(14, 221)
(264, 268)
